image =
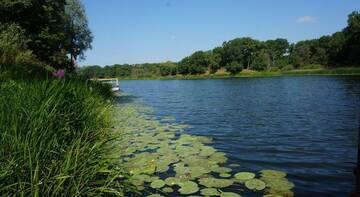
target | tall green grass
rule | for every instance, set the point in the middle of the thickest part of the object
(54, 140)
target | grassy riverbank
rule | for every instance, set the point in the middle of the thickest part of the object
(345, 71)
(54, 139)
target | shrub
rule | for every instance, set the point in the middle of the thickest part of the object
(234, 67)
(287, 67)
(53, 139)
(274, 69)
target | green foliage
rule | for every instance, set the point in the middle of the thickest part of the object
(46, 32)
(197, 63)
(167, 68)
(287, 67)
(13, 46)
(78, 33)
(54, 140)
(234, 67)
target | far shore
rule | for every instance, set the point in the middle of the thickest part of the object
(344, 71)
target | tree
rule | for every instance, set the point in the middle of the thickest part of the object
(240, 50)
(168, 68)
(262, 61)
(13, 46)
(234, 67)
(300, 54)
(276, 49)
(352, 36)
(197, 63)
(216, 59)
(78, 33)
(43, 24)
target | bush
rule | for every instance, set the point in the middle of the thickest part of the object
(53, 139)
(274, 69)
(234, 67)
(287, 68)
(312, 66)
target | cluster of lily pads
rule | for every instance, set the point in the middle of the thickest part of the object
(163, 160)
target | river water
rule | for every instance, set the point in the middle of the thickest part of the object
(305, 126)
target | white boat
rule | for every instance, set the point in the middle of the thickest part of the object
(114, 82)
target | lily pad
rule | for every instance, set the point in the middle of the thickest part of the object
(229, 194)
(272, 174)
(221, 169)
(225, 175)
(280, 184)
(172, 181)
(157, 184)
(167, 190)
(188, 187)
(255, 184)
(155, 195)
(216, 183)
(272, 195)
(210, 192)
(244, 176)
(207, 151)
(286, 193)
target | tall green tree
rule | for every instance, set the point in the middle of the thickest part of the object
(352, 36)
(79, 36)
(276, 49)
(43, 24)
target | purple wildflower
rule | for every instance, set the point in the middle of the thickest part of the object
(60, 73)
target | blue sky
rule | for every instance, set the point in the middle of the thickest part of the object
(138, 31)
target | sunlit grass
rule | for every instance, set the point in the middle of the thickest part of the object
(54, 140)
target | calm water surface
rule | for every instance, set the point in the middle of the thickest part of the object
(306, 126)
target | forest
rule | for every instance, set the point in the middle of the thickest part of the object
(340, 49)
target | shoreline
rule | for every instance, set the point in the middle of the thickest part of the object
(344, 71)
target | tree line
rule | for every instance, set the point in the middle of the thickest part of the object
(337, 50)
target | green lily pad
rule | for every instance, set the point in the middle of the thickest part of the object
(170, 181)
(272, 195)
(229, 194)
(244, 176)
(225, 175)
(207, 151)
(167, 190)
(280, 184)
(155, 195)
(216, 183)
(157, 184)
(255, 184)
(210, 192)
(272, 174)
(188, 187)
(286, 193)
(204, 139)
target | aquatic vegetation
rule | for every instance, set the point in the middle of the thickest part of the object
(161, 156)
(167, 190)
(244, 176)
(255, 184)
(210, 192)
(272, 174)
(229, 194)
(188, 187)
(157, 184)
(214, 182)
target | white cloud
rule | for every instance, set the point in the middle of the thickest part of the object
(306, 19)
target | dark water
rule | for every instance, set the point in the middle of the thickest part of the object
(306, 126)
